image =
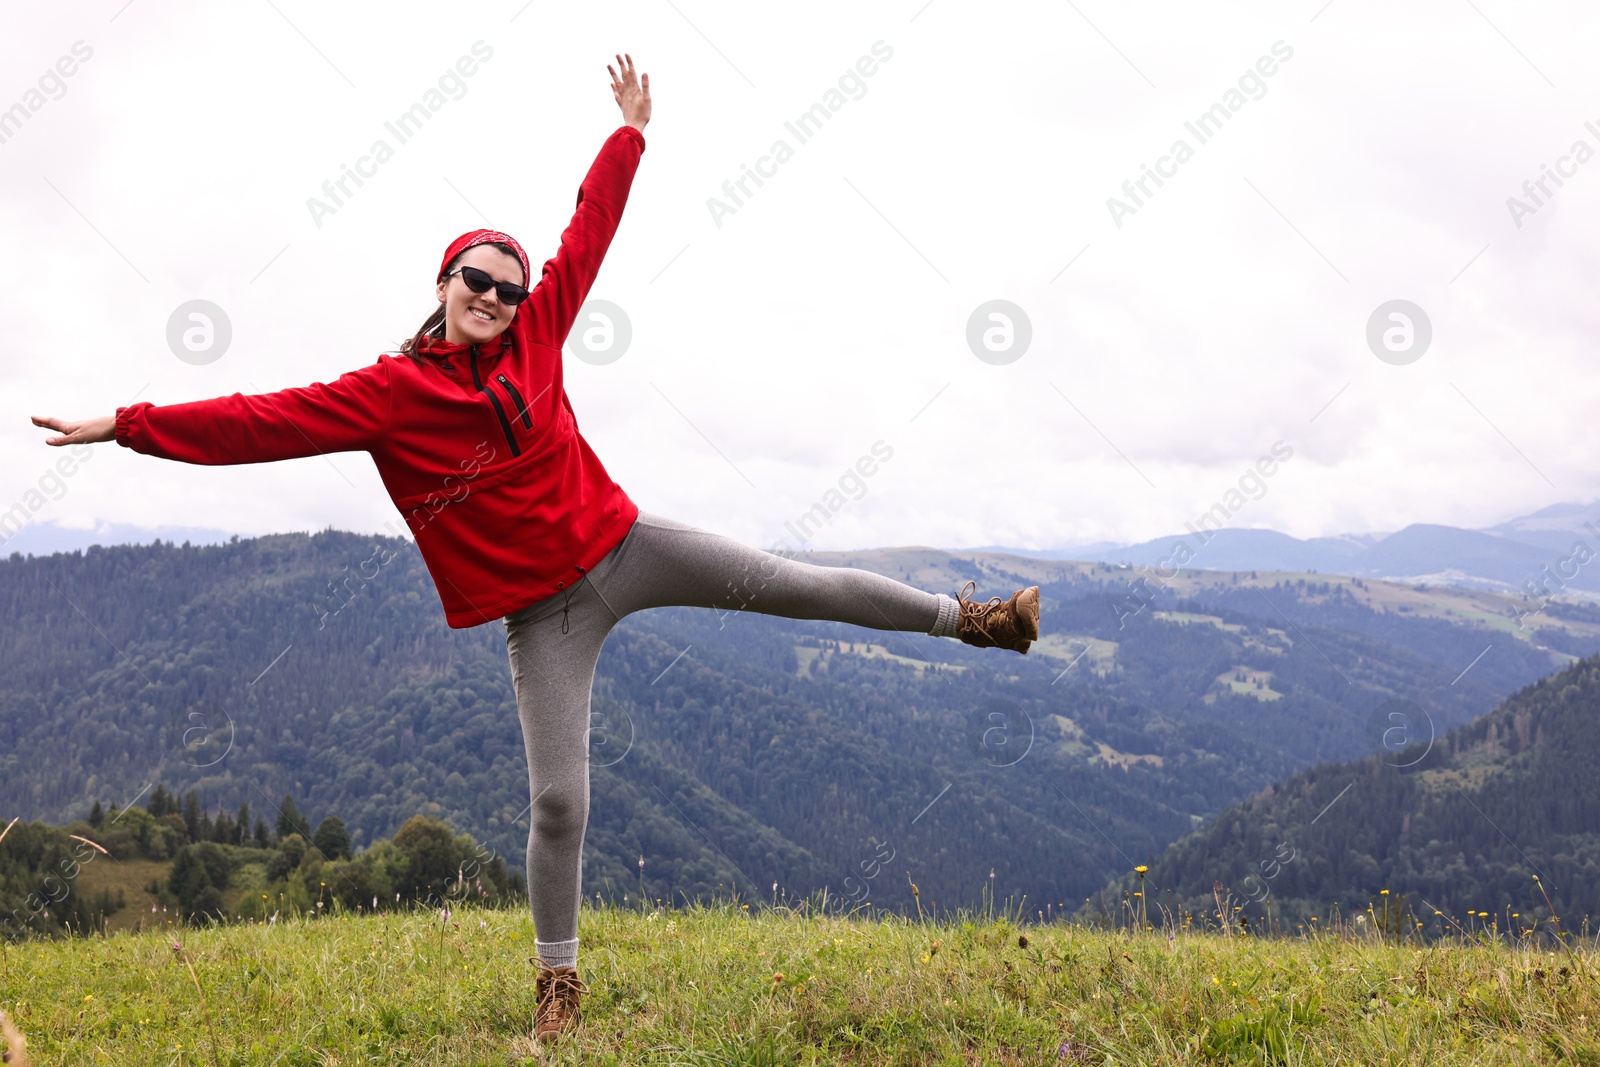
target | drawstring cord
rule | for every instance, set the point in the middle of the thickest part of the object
(568, 602)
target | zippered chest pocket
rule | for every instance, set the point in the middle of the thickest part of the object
(509, 404)
(519, 406)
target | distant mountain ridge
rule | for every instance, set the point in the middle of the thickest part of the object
(1531, 553)
(1544, 553)
(46, 538)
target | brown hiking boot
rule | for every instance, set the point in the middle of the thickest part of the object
(559, 994)
(1012, 624)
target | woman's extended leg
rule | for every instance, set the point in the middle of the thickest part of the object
(663, 562)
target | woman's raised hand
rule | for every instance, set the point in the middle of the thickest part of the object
(86, 432)
(632, 92)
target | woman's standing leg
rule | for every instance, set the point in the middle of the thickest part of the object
(553, 646)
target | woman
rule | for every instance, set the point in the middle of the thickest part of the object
(475, 440)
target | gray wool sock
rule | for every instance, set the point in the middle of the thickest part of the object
(949, 614)
(557, 953)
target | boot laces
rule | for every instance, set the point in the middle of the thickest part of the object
(978, 614)
(561, 992)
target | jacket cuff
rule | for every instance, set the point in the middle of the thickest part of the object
(124, 425)
(635, 134)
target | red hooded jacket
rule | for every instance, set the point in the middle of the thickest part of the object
(478, 445)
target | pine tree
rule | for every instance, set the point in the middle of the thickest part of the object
(223, 831)
(263, 835)
(161, 802)
(191, 815)
(97, 814)
(242, 824)
(198, 895)
(290, 822)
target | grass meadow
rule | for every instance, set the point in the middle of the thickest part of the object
(725, 984)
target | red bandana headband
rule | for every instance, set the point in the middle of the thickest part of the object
(478, 237)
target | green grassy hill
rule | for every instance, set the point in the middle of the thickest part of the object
(732, 985)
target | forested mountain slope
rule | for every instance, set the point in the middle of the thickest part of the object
(733, 749)
(1462, 826)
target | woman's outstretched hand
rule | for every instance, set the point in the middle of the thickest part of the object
(86, 432)
(632, 92)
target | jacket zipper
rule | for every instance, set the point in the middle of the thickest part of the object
(499, 409)
(516, 398)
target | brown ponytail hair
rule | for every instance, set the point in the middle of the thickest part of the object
(433, 325)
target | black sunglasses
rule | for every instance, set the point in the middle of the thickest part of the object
(479, 282)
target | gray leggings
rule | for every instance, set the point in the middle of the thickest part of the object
(554, 645)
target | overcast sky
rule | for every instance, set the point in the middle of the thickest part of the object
(1171, 345)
